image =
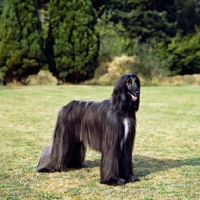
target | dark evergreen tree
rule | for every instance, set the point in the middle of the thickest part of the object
(189, 15)
(73, 43)
(21, 41)
(143, 19)
(183, 54)
(1, 8)
(2, 2)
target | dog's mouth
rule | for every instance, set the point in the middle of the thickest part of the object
(133, 96)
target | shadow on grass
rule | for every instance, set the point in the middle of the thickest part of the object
(146, 165)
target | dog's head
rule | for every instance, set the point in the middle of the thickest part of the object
(132, 87)
(127, 91)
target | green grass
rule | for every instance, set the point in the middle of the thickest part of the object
(166, 154)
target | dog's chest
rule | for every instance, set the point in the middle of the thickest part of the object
(126, 124)
(126, 128)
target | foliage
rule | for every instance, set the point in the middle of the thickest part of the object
(147, 63)
(1, 8)
(2, 3)
(142, 19)
(21, 41)
(107, 73)
(44, 17)
(112, 43)
(184, 54)
(73, 42)
(144, 63)
(188, 16)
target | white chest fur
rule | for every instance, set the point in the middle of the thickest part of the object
(126, 130)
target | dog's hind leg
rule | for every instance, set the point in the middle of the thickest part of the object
(77, 157)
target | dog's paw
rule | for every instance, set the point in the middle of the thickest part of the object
(132, 178)
(114, 181)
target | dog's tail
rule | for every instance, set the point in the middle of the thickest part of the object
(53, 157)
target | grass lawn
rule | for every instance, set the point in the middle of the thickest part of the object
(166, 155)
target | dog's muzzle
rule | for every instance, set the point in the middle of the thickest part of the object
(134, 96)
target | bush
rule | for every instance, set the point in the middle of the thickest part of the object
(109, 72)
(21, 41)
(72, 45)
(112, 43)
(147, 64)
(184, 54)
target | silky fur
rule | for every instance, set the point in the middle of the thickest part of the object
(107, 126)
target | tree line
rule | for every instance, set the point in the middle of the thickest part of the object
(77, 35)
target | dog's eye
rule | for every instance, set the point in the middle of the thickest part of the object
(129, 82)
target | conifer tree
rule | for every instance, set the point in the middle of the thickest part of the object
(1, 7)
(21, 41)
(143, 19)
(73, 44)
(183, 54)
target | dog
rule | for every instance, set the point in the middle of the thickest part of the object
(108, 126)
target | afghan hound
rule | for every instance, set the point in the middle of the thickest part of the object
(108, 126)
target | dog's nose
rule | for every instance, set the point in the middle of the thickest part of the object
(137, 92)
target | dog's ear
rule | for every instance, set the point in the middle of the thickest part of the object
(119, 95)
(137, 102)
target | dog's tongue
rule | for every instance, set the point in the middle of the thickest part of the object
(133, 97)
